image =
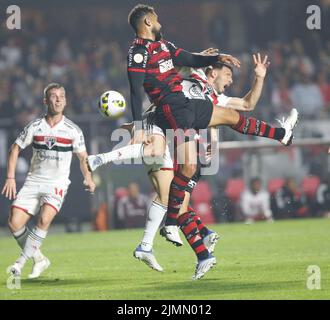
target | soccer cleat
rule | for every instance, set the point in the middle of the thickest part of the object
(148, 258)
(203, 266)
(171, 233)
(93, 162)
(210, 241)
(38, 268)
(289, 125)
(16, 270)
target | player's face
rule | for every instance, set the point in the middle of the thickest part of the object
(56, 101)
(156, 27)
(223, 80)
(256, 186)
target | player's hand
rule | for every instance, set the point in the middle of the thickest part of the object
(227, 58)
(90, 185)
(9, 189)
(260, 66)
(210, 152)
(210, 52)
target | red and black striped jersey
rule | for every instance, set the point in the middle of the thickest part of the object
(152, 63)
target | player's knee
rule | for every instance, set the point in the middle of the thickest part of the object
(44, 223)
(232, 117)
(14, 224)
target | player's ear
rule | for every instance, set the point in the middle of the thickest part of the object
(214, 73)
(147, 21)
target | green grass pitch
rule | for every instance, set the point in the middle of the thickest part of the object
(259, 261)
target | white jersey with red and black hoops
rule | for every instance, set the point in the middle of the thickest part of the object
(196, 86)
(52, 149)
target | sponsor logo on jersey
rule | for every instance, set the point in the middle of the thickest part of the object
(42, 156)
(165, 66)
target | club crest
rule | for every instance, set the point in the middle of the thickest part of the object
(50, 142)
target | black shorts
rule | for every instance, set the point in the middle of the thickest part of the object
(184, 114)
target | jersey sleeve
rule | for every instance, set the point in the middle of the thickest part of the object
(25, 138)
(78, 142)
(136, 68)
(182, 57)
(223, 100)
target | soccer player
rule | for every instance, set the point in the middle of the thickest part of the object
(219, 76)
(151, 64)
(54, 138)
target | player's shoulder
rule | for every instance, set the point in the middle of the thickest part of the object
(34, 123)
(71, 126)
(138, 45)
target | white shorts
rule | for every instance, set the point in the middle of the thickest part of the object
(166, 163)
(33, 196)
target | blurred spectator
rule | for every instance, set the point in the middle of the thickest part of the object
(281, 96)
(323, 197)
(132, 208)
(324, 86)
(308, 98)
(290, 201)
(255, 203)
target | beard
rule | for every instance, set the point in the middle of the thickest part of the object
(158, 34)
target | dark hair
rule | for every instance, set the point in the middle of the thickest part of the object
(218, 65)
(137, 13)
(50, 86)
(254, 180)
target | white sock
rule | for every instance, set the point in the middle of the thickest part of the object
(21, 236)
(32, 244)
(133, 151)
(155, 217)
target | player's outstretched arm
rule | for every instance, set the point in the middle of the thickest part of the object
(9, 189)
(88, 180)
(250, 100)
(183, 58)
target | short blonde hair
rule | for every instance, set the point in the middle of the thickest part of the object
(51, 86)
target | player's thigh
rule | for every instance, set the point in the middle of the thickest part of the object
(51, 203)
(156, 147)
(27, 198)
(17, 219)
(47, 215)
(224, 116)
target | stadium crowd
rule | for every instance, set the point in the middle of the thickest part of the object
(87, 65)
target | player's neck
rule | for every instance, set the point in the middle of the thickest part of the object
(53, 120)
(146, 35)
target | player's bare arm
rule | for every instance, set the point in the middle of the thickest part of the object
(88, 180)
(250, 100)
(9, 189)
